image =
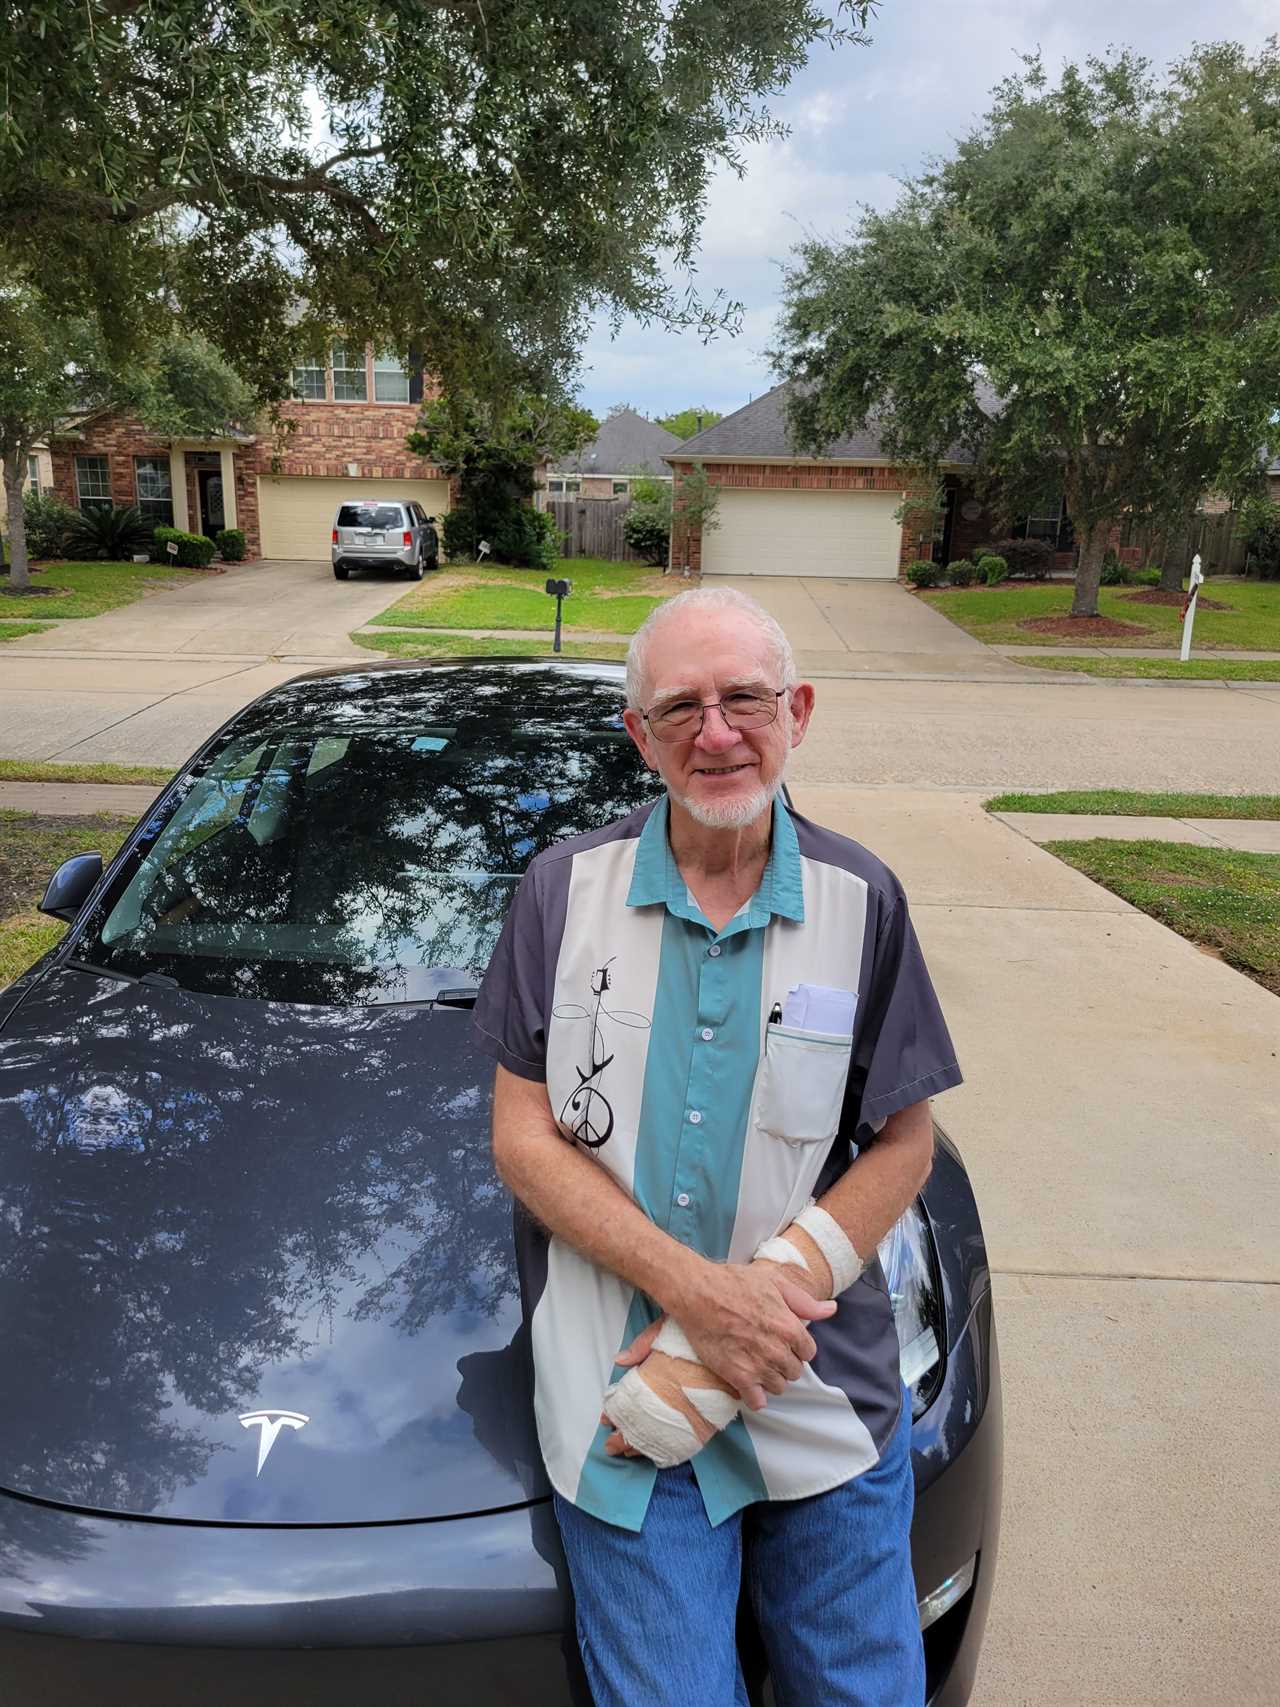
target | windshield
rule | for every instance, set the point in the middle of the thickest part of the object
(355, 866)
(370, 516)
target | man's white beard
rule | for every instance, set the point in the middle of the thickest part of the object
(733, 814)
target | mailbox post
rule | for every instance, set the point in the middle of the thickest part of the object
(560, 591)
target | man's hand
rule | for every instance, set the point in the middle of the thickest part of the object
(747, 1324)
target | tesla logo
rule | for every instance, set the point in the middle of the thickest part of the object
(270, 1422)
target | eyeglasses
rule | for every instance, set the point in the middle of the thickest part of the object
(681, 719)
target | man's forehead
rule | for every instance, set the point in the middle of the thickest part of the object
(725, 645)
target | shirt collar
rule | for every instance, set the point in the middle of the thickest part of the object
(656, 879)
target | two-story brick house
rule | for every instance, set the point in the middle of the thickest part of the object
(352, 412)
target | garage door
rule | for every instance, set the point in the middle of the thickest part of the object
(805, 533)
(296, 514)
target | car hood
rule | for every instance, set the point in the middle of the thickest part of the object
(213, 1212)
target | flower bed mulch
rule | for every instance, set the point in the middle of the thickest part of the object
(1166, 596)
(1083, 628)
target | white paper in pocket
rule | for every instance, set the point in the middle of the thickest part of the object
(818, 1007)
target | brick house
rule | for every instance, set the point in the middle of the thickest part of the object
(350, 417)
(627, 445)
(834, 515)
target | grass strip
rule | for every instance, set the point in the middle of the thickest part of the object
(1126, 803)
(32, 846)
(1218, 898)
(49, 770)
(15, 630)
(88, 589)
(1163, 669)
(610, 598)
(475, 646)
(995, 615)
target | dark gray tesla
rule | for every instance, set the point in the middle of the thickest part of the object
(266, 1422)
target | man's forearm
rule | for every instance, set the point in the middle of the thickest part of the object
(577, 1200)
(883, 1180)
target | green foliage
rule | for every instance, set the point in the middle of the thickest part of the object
(1260, 525)
(646, 527)
(1082, 294)
(528, 538)
(231, 545)
(1149, 577)
(50, 524)
(1113, 572)
(686, 422)
(189, 391)
(495, 173)
(195, 550)
(695, 501)
(922, 573)
(1028, 559)
(646, 490)
(993, 569)
(962, 572)
(111, 535)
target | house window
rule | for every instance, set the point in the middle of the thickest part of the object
(154, 485)
(350, 380)
(390, 380)
(562, 488)
(621, 488)
(308, 379)
(33, 474)
(93, 483)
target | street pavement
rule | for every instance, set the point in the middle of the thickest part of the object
(1119, 1116)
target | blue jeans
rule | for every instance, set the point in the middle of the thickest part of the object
(829, 1578)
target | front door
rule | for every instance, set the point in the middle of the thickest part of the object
(209, 481)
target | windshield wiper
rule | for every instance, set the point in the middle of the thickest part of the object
(161, 978)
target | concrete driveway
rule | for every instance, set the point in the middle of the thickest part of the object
(1119, 1119)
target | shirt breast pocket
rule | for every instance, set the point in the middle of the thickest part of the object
(802, 1080)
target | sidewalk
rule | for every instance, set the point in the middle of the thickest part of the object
(1202, 654)
(1251, 835)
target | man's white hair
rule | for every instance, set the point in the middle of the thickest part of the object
(704, 598)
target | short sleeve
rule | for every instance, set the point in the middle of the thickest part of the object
(904, 1052)
(509, 1018)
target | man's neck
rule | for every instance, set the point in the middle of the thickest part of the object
(732, 856)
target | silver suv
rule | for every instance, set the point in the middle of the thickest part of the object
(384, 533)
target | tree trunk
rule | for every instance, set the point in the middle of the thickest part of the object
(1093, 548)
(15, 471)
(1171, 561)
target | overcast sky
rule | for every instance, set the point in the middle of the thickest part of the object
(862, 118)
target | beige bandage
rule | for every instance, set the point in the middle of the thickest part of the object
(671, 1405)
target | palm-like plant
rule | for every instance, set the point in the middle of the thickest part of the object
(113, 534)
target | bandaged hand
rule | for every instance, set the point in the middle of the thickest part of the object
(668, 1407)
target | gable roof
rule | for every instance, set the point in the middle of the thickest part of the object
(761, 429)
(625, 444)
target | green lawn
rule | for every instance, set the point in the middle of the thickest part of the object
(46, 770)
(15, 630)
(610, 598)
(1222, 899)
(472, 646)
(993, 614)
(1127, 804)
(88, 589)
(1165, 669)
(31, 849)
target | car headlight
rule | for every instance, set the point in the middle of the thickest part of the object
(906, 1256)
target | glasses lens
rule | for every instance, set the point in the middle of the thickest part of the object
(677, 721)
(748, 710)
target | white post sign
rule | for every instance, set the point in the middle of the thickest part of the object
(1189, 606)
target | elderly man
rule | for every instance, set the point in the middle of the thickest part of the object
(710, 1164)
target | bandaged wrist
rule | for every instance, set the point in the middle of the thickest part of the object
(669, 1406)
(833, 1243)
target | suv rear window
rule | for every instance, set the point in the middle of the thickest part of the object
(370, 516)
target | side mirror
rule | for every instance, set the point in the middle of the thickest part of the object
(71, 885)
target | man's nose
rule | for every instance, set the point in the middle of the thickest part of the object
(716, 734)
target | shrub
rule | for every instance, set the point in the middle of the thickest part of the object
(1027, 559)
(922, 573)
(646, 527)
(51, 524)
(962, 573)
(528, 538)
(195, 550)
(111, 535)
(1114, 573)
(231, 545)
(1148, 577)
(993, 569)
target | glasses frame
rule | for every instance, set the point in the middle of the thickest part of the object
(703, 705)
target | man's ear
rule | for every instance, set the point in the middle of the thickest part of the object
(801, 697)
(638, 730)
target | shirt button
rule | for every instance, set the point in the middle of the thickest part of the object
(695, 1119)
(707, 1034)
(683, 1200)
(714, 950)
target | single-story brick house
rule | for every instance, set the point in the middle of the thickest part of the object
(834, 515)
(627, 445)
(350, 418)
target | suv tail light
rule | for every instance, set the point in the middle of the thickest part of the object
(408, 537)
(335, 536)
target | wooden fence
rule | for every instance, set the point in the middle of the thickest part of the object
(1215, 536)
(592, 527)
